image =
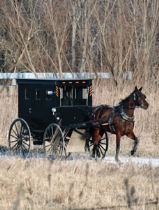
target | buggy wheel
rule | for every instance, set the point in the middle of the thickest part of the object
(99, 151)
(53, 141)
(19, 136)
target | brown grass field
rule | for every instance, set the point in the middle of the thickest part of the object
(43, 184)
(38, 183)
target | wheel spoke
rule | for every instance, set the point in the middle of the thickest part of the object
(21, 128)
(101, 146)
(101, 151)
(13, 141)
(49, 149)
(26, 149)
(14, 132)
(25, 138)
(55, 134)
(16, 129)
(25, 143)
(14, 146)
(90, 144)
(15, 137)
(47, 145)
(103, 143)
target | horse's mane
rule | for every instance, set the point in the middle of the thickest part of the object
(123, 101)
(103, 106)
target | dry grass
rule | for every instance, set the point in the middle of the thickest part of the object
(43, 184)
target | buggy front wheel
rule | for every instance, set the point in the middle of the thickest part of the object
(53, 141)
(19, 136)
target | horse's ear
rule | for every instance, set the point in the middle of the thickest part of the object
(136, 88)
(140, 89)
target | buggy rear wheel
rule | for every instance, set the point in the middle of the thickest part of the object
(53, 141)
(19, 136)
(99, 151)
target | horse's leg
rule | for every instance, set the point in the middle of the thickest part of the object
(96, 138)
(118, 136)
(136, 142)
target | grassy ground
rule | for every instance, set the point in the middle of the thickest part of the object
(43, 184)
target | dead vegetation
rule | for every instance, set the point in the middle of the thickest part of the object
(44, 184)
(83, 35)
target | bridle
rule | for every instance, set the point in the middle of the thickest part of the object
(135, 97)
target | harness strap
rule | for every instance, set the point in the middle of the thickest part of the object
(110, 122)
(122, 114)
(125, 116)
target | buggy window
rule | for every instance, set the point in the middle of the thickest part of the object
(81, 93)
(81, 96)
(66, 95)
(73, 95)
(85, 93)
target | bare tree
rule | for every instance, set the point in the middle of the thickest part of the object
(82, 35)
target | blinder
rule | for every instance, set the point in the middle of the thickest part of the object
(136, 99)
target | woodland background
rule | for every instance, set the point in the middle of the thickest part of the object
(81, 35)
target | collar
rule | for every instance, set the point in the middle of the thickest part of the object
(125, 116)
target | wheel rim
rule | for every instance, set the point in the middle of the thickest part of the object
(53, 141)
(19, 136)
(102, 146)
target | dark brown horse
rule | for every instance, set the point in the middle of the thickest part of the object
(118, 120)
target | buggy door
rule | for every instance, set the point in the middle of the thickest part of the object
(36, 105)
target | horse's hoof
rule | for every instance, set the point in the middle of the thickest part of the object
(132, 153)
(117, 160)
(98, 154)
(87, 149)
(93, 155)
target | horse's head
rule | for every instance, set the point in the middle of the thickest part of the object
(140, 98)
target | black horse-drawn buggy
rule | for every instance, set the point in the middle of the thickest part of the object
(49, 111)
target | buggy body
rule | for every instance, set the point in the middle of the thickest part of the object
(49, 111)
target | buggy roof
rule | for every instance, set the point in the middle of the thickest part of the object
(48, 81)
(55, 76)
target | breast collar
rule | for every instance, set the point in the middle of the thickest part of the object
(125, 116)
